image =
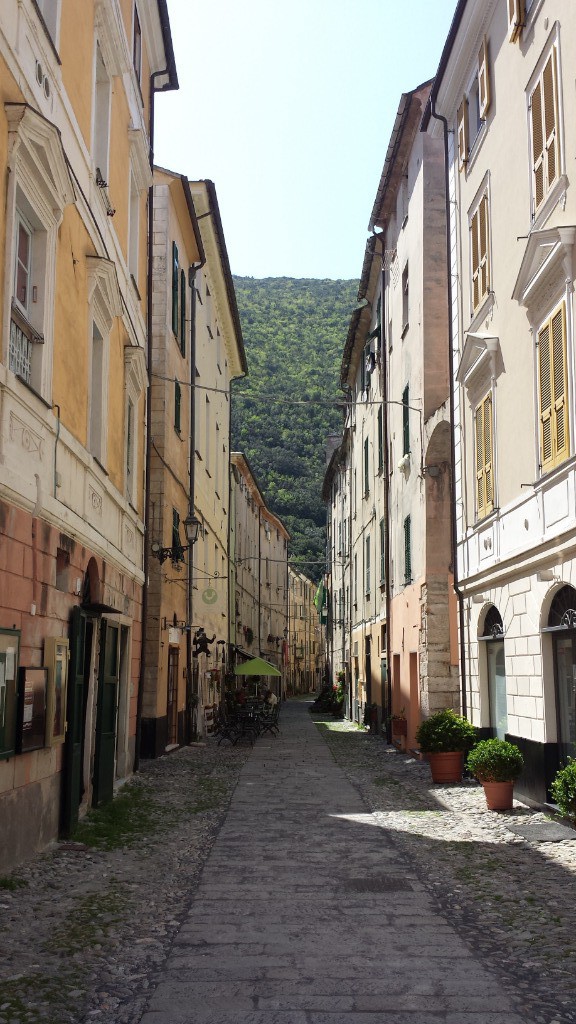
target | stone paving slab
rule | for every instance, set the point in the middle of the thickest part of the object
(307, 913)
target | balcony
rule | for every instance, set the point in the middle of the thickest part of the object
(22, 338)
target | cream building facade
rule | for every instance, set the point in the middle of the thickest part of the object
(305, 635)
(505, 89)
(258, 577)
(74, 143)
(168, 708)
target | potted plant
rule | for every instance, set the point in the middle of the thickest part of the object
(445, 737)
(399, 723)
(563, 789)
(496, 764)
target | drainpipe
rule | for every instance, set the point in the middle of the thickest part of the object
(191, 714)
(146, 558)
(453, 523)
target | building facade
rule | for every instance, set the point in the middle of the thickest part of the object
(305, 635)
(198, 351)
(258, 577)
(74, 161)
(504, 89)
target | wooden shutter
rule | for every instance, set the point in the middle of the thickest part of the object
(484, 458)
(550, 111)
(406, 421)
(554, 431)
(516, 11)
(175, 283)
(558, 343)
(479, 241)
(483, 79)
(177, 405)
(183, 312)
(407, 550)
(462, 132)
(544, 120)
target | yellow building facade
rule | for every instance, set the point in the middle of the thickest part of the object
(75, 97)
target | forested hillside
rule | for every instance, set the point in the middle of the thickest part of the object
(294, 333)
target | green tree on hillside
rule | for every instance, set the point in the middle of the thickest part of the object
(283, 412)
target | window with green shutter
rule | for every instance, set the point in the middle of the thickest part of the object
(553, 391)
(183, 312)
(380, 439)
(407, 551)
(406, 421)
(177, 549)
(367, 579)
(177, 406)
(382, 553)
(175, 286)
(366, 468)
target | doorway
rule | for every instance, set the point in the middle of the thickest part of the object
(172, 700)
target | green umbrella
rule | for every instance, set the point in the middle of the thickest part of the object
(256, 667)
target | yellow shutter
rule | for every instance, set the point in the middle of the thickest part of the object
(537, 145)
(545, 382)
(483, 79)
(484, 275)
(475, 259)
(479, 461)
(560, 417)
(462, 123)
(549, 88)
(488, 459)
(553, 387)
(484, 458)
(516, 11)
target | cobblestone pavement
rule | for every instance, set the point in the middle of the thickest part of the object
(85, 933)
(512, 901)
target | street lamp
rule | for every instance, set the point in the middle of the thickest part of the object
(176, 552)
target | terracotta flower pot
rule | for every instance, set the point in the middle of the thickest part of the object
(446, 767)
(399, 727)
(499, 795)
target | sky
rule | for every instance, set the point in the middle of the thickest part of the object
(288, 108)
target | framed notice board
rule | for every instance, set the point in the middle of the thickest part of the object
(31, 727)
(9, 655)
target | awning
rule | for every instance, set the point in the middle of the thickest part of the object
(257, 667)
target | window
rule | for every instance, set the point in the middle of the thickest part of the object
(405, 303)
(516, 14)
(9, 664)
(553, 391)
(406, 420)
(207, 434)
(355, 581)
(484, 457)
(367, 567)
(49, 11)
(366, 468)
(133, 228)
(135, 384)
(101, 129)
(62, 569)
(380, 439)
(177, 406)
(183, 312)
(137, 47)
(543, 106)
(96, 433)
(382, 553)
(105, 305)
(474, 107)
(479, 249)
(175, 286)
(407, 551)
(39, 189)
(177, 549)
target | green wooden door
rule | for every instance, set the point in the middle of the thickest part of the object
(72, 773)
(106, 713)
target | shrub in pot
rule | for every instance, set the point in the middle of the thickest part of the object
(563, 789)
(445, 737)
(496, 764)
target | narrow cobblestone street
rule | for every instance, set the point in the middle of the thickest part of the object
(284, 884)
